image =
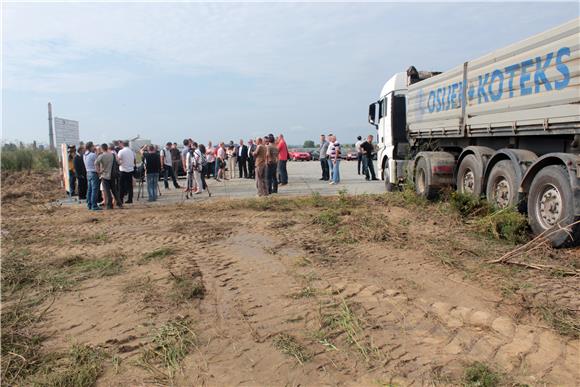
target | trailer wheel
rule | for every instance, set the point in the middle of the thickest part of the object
(502, 185)
(423, 180)
(469, 176)
(387, 177)
(551, 205)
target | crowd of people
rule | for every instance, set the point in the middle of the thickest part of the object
(104, 175)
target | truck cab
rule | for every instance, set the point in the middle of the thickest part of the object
(388, 115)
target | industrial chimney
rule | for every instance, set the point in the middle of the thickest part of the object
(50, 131)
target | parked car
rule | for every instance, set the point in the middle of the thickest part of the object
(352, 155)
(296, 155)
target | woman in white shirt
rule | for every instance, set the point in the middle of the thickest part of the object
(333, 155)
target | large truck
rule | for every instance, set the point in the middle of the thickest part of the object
(505, 126)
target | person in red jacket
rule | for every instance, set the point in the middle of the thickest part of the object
(282, 160)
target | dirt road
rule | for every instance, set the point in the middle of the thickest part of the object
(366, 290)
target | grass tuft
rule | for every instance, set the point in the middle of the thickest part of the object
(480, 375)
(327, 218)
(76, 268)
(20, 342)
(157, 254)
(306, 292)
(344, 321)
(563, 320)
(169, 345)
(505, 224)
(468, 205)
(80, 367)
(187, 287)
(99, 238)
(288, 345)
(17, 271)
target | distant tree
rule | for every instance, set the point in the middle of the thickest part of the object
(309, 144)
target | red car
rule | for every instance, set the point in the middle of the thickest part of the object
(296, 155)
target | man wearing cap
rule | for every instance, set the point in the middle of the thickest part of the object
(167, 163)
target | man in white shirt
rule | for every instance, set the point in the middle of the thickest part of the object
(167, 164)
(126, 159)
(359, 153)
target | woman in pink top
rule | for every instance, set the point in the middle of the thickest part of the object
(282, 160)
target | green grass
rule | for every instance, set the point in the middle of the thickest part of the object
(21, 344)
(169, 345)
(17, 271)
(341, 320)
(505, 224)
(468, 205)
(564, 321)
(76, 268)
(99, 238)
(288, 345)
(80, 367)
(20, 270)
(480, 375)
(327, 218)
(27, 159)
(157, 254)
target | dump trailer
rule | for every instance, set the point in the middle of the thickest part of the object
(505, 126)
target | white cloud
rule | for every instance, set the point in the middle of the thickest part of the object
(249, 40)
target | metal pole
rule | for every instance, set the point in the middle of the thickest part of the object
(50, 131)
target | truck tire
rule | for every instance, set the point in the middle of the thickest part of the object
(423, 180)
(469, 176)
(387, 177)
(502, 185)
(551, 204)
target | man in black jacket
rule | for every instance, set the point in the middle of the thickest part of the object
(242, 159)
(80, 172)
(368, 149)
(251, 161)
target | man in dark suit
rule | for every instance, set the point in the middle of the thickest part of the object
(251, 161)
(242, 151)
(81, 172)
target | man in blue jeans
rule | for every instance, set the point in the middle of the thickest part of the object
(92, 177)
(152, 169)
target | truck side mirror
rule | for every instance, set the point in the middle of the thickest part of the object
(373, 114)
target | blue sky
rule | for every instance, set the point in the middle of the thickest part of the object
(226, 71)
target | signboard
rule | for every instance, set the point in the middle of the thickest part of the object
(66, 132)
(64, 161)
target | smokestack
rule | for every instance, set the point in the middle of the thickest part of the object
(50, 132)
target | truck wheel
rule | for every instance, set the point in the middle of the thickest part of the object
(551, 204)
(423, 180)
(469, 176)
(502, 185)
(387, 177)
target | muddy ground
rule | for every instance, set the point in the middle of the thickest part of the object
(348, 290)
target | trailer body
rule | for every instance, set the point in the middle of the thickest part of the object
(491, 126)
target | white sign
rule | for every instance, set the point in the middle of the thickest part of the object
(65, 132)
